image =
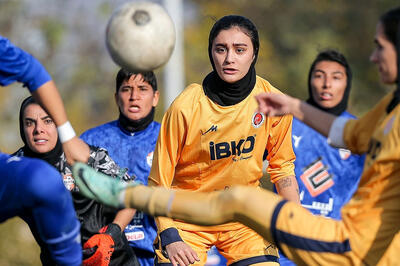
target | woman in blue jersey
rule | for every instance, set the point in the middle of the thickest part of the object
(327, 176)
(23, 190)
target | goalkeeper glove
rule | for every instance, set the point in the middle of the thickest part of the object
(105, 242)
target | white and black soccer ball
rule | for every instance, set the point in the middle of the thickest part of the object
(140, 36)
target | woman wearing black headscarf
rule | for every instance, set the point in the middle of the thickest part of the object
(211, 138)
(100, 225)
(327, 176)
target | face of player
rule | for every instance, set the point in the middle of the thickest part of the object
(232, 53)
(135, 98)
(40, 131)
(328, 83)
(384, 56)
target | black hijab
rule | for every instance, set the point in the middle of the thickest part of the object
(333, 56)
(391, 23)
(219, 91)
(53, 156)
(136, 125)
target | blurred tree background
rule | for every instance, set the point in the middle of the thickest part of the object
(68, 37)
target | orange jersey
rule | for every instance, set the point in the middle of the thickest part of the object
(203, 146)
(374, 210)
(368, 233)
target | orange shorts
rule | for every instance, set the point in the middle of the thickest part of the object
(240, 245)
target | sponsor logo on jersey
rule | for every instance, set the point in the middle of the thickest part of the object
(316, 177)
(240, 148)
(69, 181)
(213, 128)
(324, 208)
(134, 236)
(258, 119)
(149, 159)
(344, 154)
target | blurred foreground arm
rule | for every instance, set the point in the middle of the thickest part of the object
(273, 104)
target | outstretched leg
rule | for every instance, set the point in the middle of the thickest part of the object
(251, 206)
(303, 237)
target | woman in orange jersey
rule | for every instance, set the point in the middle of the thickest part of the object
(369, 232)
(211, 138)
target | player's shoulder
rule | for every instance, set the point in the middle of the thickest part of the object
(3, 44)
(347, 115)
(155, 125)
(104, 128)
(191, 95)
(264, 85)
(153, 129)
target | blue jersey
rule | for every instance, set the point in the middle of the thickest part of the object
(327, 176)
(18, 65)
(34, 191)
(42, 202)
(135, 152)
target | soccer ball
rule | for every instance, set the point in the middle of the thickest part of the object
(140, 36)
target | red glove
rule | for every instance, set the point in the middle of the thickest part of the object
(105, 247)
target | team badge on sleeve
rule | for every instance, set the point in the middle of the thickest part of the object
(69, 181)
(257, 120)
(344, 154)
(149, 159)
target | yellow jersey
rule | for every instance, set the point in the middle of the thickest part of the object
(203, 146)
(373, 214)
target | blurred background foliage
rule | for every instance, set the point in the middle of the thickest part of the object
(68, 37)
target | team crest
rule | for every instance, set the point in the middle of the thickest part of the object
(69, 181)
(344, 154)
(149, 159)
(257, 120)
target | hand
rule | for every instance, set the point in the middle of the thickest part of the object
(104, 243)
(181, 253)
(274, 104)
(76, 150)
(103, 253)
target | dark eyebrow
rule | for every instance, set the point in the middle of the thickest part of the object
(30, 119)
(126, 86)
(318, 70)
(235, 44)
(338, 72)
(220, 44)
(335, 72)
(45, 117)
(239, 44)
